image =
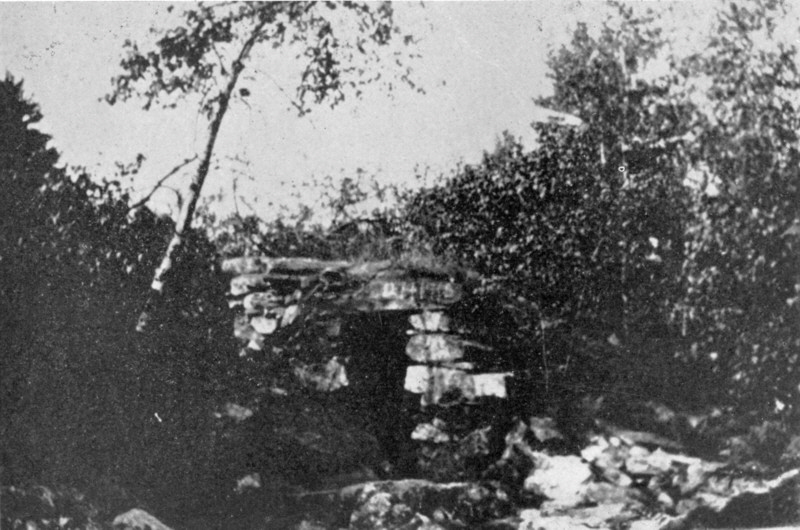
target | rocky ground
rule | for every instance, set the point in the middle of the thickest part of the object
(616, 477)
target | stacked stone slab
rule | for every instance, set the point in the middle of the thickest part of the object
(446, 361)
(274, 294)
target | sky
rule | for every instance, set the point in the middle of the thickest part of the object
(481, 65)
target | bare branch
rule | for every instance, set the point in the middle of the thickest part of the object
(160, 182)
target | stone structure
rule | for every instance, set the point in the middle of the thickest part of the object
(279, 295)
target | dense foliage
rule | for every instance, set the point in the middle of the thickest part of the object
(599, 227)
(740, 276)
(81, 391)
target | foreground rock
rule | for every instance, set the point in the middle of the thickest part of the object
(137, 519)
(424, 504)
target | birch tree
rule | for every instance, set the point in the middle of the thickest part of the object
(203, 59)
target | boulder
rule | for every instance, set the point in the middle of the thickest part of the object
(563, 480)
(137, 519)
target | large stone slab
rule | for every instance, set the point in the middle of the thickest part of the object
(434, 382)
(265, 265)
(280, 283)
(390, 294)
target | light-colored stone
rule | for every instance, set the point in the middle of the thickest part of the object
(494, 385)
(562, 479)
(290, 314)
(264, 325)
(433, 382)
(430, 321)
(243, 329)
(137, 519)
(256, 343)
(434, 348)
(398, 293)
(261, 301)
(532, 519)
(248, 482)
(246, 283)
(638, 463)
(431, 432)
(289, 265)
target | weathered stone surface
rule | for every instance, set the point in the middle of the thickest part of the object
(431, 432)
(258, 302)
(246, 283)
(264, 265)
(368, 269)
(404, 294)
(430, 321)
(264, 325)
(417, 504)
(609, 457)
(242, 329)
(137, 519)
(638, 462)
(324, 377)
(494, 385)
(604, 516)
(280, 283)
(561, 479)
(256, 343)
(603, 493)
(289, 315)
(434, 382)
(737, 503)
(434, 348)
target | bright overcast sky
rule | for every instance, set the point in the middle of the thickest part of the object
(482, 63)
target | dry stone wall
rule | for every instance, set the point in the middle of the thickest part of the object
(277, 297)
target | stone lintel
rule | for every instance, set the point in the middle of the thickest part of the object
(282, 283)
(411, 294)
(287, 265)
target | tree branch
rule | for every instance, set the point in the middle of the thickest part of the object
(143, 201)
